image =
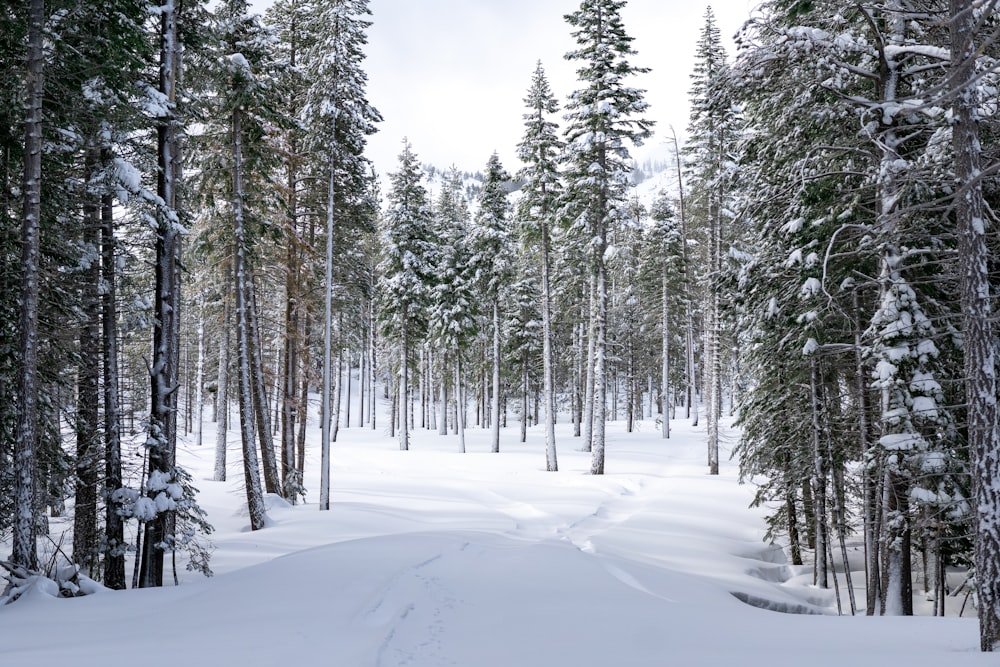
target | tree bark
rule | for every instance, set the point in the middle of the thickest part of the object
(222, 393)
(88, 437)
(244, 332)
(163, 371)
(495, 403)
(114, 530)
(979, 347)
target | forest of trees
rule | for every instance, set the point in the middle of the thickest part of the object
(188, 213)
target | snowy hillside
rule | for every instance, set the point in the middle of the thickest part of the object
(430, 557)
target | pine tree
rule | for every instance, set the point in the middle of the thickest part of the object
(539, 150)
(405, 271)
(602, 118)
(339, 119)
(452, 311)
(492, 248)
(708, 152)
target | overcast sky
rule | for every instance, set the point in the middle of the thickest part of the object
(451, 75)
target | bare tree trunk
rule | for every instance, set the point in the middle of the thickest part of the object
(664, 354)
(199, 381)
(251, 468)
(588, 392)
(326, 410)
(163, 370)
(443, 391)
(495, 404)
(222, 393)
(459, 402)
(600, 381)
(404, 385)
(979, 347)
(691, 409)
(25, 552)
(88, 437)
(262, 412)
(819, 480)
(114, 529)
(548, 373)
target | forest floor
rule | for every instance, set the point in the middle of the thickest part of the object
(430, 557)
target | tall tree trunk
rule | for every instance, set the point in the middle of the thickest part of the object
(819, 479)
(600, 357)
(443, 391)
(979, 346)
(691, 408)
(25, 552)
(199, 381)
(222, 393)
(338, 398)
(548, 382)
(873, 579)
(88, 436)
(166, 302)
(404, 385)
(588, 391)
(244, 333)
(495, 404)
(664, 354)
(262, 412)
(114, 524)
(459, 402)
(525, 415)
(326, 409)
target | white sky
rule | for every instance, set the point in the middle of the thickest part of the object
(451, 75)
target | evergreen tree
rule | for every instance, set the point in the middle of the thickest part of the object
(405, 272)
(492, 248)
(709, 156)
(539, 150)
(339, 119)
(602, 119)
(453, 310)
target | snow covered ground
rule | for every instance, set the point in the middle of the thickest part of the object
(430, 557)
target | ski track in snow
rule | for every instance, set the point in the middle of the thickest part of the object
(431, 558)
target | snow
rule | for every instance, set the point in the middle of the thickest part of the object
(430, 557)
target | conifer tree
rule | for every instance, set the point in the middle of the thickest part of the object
(405, 272)
(492, 250)
(603, 116)
(709, 154)
(539, 151)
(453, 310)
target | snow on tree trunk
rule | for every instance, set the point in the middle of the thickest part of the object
(88, 437)
(222, 392)
(600, 359)
(326, 409)
(262, 412)
(404, 387)
(664, 355)
(495, 403)
(459, 403)
(199, 381)
(588, 390)
(114, 530)
(163, 370)
(251, 467)
(979, 346)
(25, 553)
(548, 381)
